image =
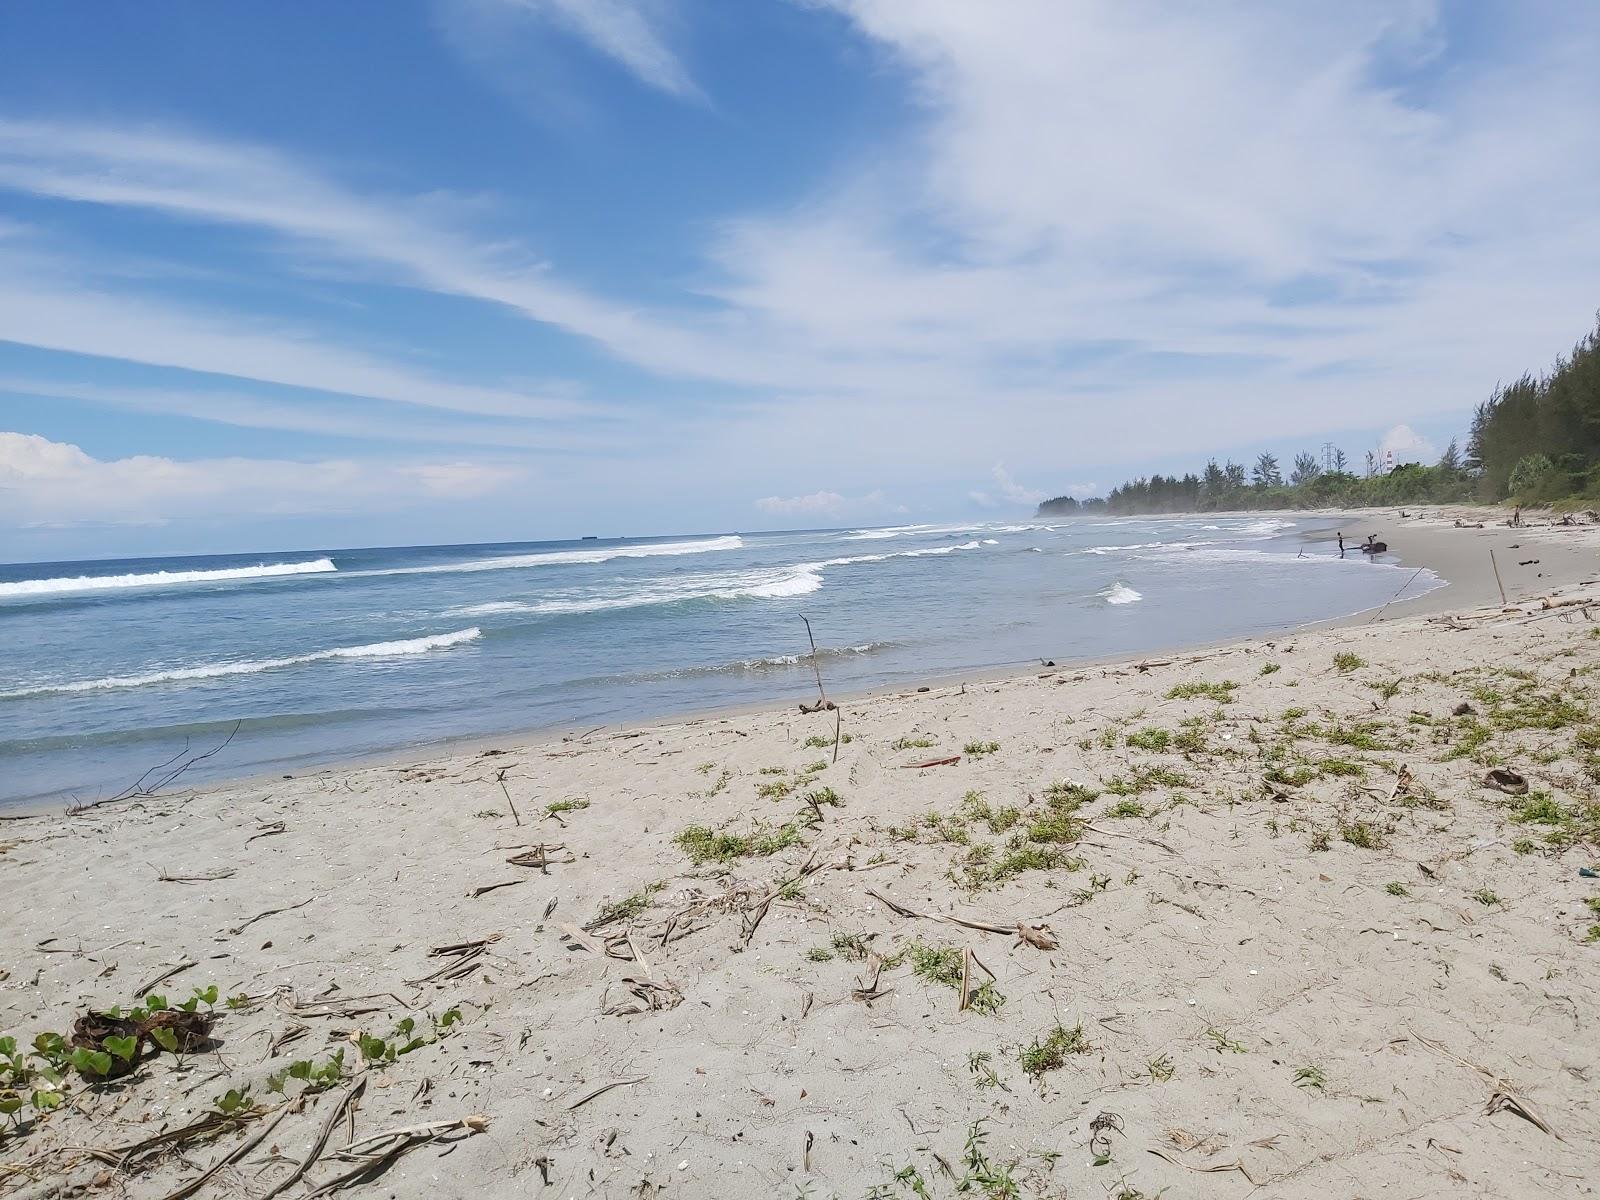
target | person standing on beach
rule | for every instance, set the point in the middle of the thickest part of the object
(1341, 544)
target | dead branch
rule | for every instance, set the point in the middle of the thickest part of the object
(159, 776)
(203, 877)
(163, 977)
(271, 912)
(346, 1098)
(604, 1088)
(485, 889)
(500, 778)
(233, 1156)
(1037, 935)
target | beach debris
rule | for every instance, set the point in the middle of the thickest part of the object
(271, 912)
(465, 958)
(486, 888)
(267, 829)
(966, 990)
(932, 762)
(204, 877)
(604, 1088)
(374, 1157)
(1100, 1131)
(612, 947)
(159, 776)
(1502, 779)
(346, 1100)
(756, 913)
(164, 976)
(1463, 710)
(539, 856)
(823, 704)
(289, 1003)
(500, 778)
(1037, 935)
(649, 995)
(237, 1153)
(1509, 1102)
(1236, 1165)
(867, 990)
(1402, 783)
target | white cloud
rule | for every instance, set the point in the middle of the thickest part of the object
(55, 483)
(1083, 490)
(83, 320)
(500, 37)
(1011, 490)
(1007, 491)
(1293, 220)
(823, 504)
(624, 31)
(1407, 445)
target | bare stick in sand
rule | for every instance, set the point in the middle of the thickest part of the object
(1497, 582)
(161, 775)
(823, 704)
(500, 778)
(822, 696)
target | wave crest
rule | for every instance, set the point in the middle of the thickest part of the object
(95, 583)
(220, 670)
(1121, 593)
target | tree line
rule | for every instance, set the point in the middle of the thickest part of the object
(1535, 441)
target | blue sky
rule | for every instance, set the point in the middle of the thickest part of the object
(465, 270)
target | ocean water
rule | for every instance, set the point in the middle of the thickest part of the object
(107, 668)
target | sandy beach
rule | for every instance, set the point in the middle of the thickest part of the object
(1230, 921)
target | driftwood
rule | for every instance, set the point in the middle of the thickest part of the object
(157, 777)
(346, 1098)
(539, 856)
(204, 877)
(486, 888)
(233, 1156)
(465, 958)
(932, 762)
(754, 915)
(372, 1164)
(163, 977)
(604, 1088)
(271, 912)
(1037, 935)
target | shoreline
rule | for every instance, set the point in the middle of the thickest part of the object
(1423, 539)
(1269, 909)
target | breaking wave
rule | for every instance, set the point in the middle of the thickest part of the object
(560, 558)
(95, 583)
(252, 666)
(1120, 593)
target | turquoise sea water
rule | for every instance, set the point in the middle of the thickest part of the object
(107, 668)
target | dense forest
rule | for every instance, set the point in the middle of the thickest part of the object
(1535, 441)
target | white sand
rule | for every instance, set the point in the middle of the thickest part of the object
(1213, 936)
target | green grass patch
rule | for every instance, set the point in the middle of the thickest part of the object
(1222, 692)
(705, 845)
(1150, 738)
(1145, 779)
(1049, 1053)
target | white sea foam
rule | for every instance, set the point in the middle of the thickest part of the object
(95, 583)
(1266, 525)
(894, 531)
(760, 583)
(937, 550)
(220, 670)
(561, 558)
(1121, 593)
